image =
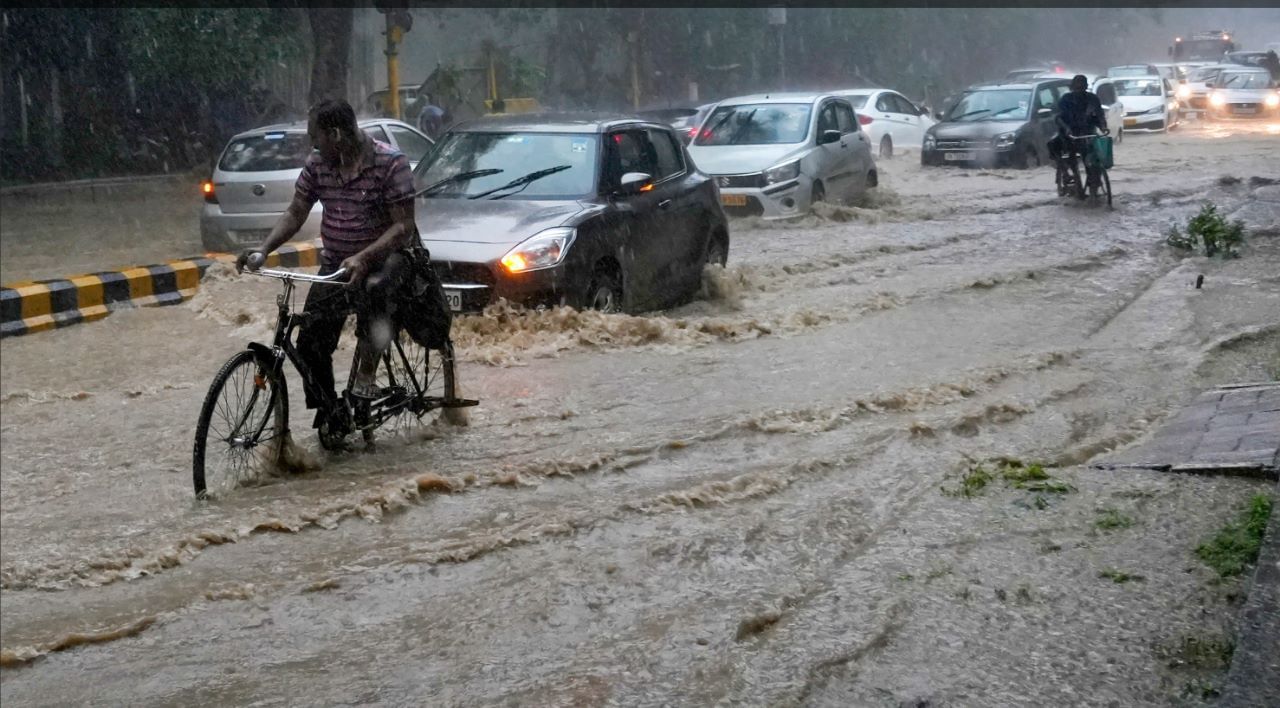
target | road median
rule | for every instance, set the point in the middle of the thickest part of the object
(39, 305)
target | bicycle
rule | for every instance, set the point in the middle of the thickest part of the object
(1068, 171)
(245, 414)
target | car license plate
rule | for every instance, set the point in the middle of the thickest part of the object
(1246, 111)
(738, 200)
(454, 297)
(1130, 122)
(960, 156)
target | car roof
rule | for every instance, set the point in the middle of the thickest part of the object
(859, 91)
(1014, 85)
(780, 97)
(552, 122)
(300, 126)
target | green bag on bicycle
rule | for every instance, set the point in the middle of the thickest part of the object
(1102, 151)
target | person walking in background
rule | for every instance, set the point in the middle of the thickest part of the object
(431, 119)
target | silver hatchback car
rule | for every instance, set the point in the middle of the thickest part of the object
(774, 155)
(254, 179)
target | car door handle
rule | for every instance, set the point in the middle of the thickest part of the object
(664, 203)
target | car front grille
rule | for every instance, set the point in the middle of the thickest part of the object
(1253, 107)
(963, 144)
(750, 181)
(464, 273)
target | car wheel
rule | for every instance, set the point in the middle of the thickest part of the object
(605, 292)
(717, 249)
(1030, 158)
(817, 194)
(886, 147)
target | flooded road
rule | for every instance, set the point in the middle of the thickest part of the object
(740, 501)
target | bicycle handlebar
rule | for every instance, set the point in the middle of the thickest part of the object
(335, 278)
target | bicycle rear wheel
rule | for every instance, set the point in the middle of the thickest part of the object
(422, 378)
(243, 423)
(1106, 183)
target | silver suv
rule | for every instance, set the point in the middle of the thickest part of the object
(253, 182)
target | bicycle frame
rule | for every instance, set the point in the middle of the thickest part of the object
(282, 346)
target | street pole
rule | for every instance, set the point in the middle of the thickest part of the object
(394, 33)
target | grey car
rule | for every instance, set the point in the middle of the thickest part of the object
(254, 179)
(583, 209)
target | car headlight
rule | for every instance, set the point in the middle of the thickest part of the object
(1154, 109)
(782, 173)
(1273, 100)
(1183, 92)
(1217, 99)
(543, 250)
(930, 142)
(1004, 141)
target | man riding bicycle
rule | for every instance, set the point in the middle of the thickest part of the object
(1079, 113)
(366, 188)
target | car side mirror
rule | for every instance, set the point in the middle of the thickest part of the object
(829, 136)
(634, 182)
(1044, 112)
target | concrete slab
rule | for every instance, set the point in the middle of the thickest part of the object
(1234, 429)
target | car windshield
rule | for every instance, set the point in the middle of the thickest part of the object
(1204, 75)
(1152, 86)
(758, 124)
(266, 153)
(516, 154)
(1245, 80)
(1004, 104)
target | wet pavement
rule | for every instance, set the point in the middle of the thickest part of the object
(751, 499)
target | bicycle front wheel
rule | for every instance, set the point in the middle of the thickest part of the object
(1106, 183)
(240, 436)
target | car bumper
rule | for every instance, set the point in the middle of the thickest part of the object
(1145, 122)
(968, 157)
(776, 201)
(1245, 111)
(231, 232)
(471, 287)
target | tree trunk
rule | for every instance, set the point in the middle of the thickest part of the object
(331, 38)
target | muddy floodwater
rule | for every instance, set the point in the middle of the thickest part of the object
(741, 501)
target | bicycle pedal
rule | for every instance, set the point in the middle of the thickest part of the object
(459, 403)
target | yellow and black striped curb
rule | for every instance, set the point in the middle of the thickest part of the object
(38, 305)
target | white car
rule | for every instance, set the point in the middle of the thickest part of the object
(1196, 94)
(1110, 99)
(254, 180)
(773, 155)
(1243, 93)
(890, 121)
(1150, 103)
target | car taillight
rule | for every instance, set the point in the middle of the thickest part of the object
(864, 119)
(210, 195)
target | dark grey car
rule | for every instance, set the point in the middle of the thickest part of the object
(997, 125)
(587, 210)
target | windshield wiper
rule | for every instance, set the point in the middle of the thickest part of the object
(742, 125)
(523, 181)
(972, 113)
(460, 177)
(1007, 110)
(727, 116)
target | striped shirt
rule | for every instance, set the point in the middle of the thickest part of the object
(355, 211)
